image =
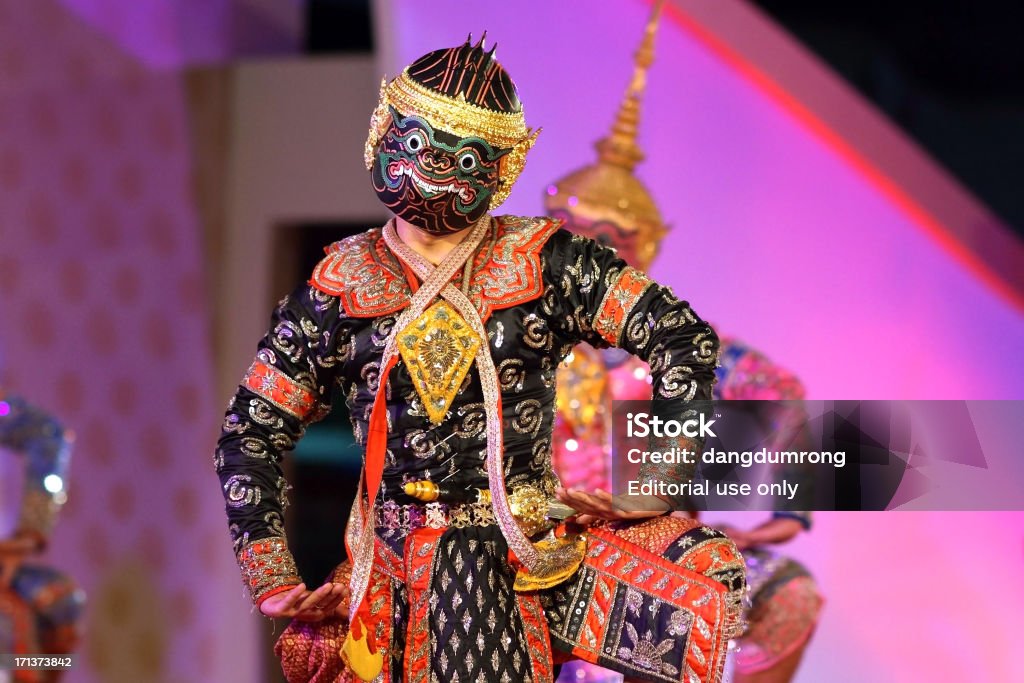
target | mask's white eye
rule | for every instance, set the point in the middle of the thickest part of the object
(467, 161)
(415, 142)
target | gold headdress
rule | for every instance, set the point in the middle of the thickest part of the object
(608, 190)
(475, 110)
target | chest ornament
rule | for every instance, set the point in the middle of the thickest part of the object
(370, 281)
(438, 348)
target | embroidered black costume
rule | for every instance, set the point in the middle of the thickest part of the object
(449, 376)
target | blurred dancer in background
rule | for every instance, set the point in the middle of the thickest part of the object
(606, 202)
(40, 608)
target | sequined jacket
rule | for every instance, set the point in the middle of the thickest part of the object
(46, 448)
(540, 290)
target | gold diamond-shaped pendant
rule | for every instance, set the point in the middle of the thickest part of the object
(438, 348)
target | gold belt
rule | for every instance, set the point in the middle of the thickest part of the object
(391, 515)
(533, 510)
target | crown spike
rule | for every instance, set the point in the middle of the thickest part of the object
(465, 50)
(483, 58)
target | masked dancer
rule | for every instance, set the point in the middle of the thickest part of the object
(444, 329)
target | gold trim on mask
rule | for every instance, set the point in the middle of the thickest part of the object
(458, 117)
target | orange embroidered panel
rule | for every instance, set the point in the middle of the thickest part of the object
(618, 301)
(363, 273)
(420, 549)
(640, 614)
(658, 533)
(507, 269)
(267, 567)
(538, 639)
(369, 280)
(275, 386)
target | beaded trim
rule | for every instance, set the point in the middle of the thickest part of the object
(630, 284)
(267, 565)
(517, 541)
(436, 279)
(393, 516)
(275, 386)
(456, 116)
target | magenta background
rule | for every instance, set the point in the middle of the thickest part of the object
(774, 237)
(776, 240)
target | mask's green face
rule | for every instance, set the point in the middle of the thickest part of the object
(437, 181)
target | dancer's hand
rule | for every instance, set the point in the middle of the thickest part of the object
(591, 507)
(304, 605)
(12, 552)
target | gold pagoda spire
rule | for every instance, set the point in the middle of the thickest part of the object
(607, 191)
(620, 146)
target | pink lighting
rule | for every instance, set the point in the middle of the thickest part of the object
(798, 223)
(785, 235)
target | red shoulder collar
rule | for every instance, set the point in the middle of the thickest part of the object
(363, 273)
(369, 280)
(507, 268)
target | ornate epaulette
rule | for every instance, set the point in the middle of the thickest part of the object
(369, 280)
(507, 270)
(363, 273)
